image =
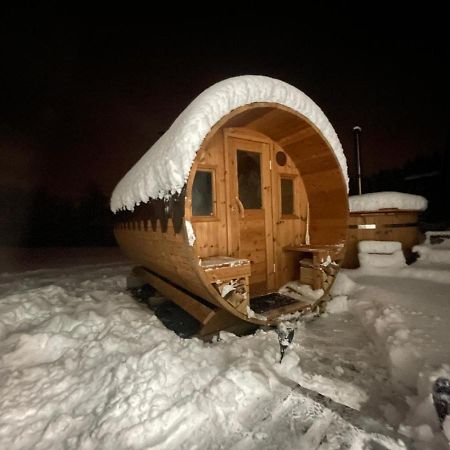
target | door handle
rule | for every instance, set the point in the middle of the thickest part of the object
(240, 207)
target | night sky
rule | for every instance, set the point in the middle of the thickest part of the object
(83, 100)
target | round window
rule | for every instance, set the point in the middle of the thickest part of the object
(281, 158)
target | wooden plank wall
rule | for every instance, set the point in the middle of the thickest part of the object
(289, 230)
(211, 233)
(167, 254)
(323, 180)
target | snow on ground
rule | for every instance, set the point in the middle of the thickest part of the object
(385, 259)
(387, 200)
(406, 313)
(435, 250)
(84, 365)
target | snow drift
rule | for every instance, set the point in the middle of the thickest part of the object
(387, 200)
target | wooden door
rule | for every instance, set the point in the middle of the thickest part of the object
(250, 209)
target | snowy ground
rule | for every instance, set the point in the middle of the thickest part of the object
(83, 365)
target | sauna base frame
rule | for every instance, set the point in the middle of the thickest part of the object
(212, 319)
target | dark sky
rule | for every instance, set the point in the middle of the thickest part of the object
(82, 100)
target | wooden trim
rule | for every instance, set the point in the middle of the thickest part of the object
(295, 192)
(222, 319)
(272, 314)
(313, 248)
(248, 135)
(213, 170)
(195, 219)
(228, 177)
(289, 217)
(268, 194)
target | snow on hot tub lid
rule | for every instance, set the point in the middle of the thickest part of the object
(375, 201)
(164, 168)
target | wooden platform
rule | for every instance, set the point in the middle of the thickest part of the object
(271, 301)
(275, 304)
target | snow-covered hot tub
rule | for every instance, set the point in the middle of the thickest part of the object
(383, 216)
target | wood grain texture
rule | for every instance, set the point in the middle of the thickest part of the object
(259, 236)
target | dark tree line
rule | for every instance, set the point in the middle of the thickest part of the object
(40, 219)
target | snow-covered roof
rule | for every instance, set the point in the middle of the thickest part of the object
(164, 168)
(387, 200)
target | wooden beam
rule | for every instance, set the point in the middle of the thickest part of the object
(273, 314)
(223, 320)
(297, 136)
(248, 114)
(192, 306)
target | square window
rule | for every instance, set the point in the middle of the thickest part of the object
(249, 179)
(203, 194)
(287, 196)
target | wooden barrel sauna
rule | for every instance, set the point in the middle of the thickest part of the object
(382, 225)
(255, 183)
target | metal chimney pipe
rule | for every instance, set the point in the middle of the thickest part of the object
(357, 136)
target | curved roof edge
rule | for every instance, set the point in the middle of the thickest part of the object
(164, 168)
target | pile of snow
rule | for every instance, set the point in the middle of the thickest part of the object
(433, 254)
(387, 200)
(165, 167)
(406, 312)
(387, 247)
(414, 346)
(433, 263)
(253, 315)
(83, 364)
(438, 239)
(382, 261)
(446, 427)
(436, 248)
(300, 291)
(421, 422)
(190, 232)
(380, 255)
(343, 285)
(337, 305)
